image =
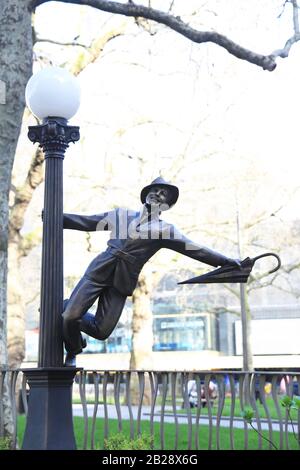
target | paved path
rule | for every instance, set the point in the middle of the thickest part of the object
(169, 416)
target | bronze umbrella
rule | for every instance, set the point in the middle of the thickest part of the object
(231, 273)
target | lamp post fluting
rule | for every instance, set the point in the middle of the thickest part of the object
(54, 136)
(53, 96)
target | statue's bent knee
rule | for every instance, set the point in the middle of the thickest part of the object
(71, 315)
(102, 335)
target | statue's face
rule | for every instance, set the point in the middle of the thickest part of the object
(158, 196)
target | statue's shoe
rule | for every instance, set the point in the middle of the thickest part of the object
(70, 360)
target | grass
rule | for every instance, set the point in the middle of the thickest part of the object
(238, 409)
(169, 435)
(214, 408)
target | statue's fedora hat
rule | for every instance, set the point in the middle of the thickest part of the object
(173, 190)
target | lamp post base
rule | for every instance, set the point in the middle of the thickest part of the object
(50, 420)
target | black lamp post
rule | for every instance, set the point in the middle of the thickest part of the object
(51, 92)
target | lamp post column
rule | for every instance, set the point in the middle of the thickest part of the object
(54, 136)
(49, 421)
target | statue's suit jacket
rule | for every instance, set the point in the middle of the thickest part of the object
(131, 245)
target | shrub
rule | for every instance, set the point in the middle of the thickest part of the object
(122, 442)
(5, 443)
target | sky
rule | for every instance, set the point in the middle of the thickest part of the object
(159, 97)
(152, 96)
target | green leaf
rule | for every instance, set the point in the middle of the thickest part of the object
(248, 414)
(286, 401)
(296, 403)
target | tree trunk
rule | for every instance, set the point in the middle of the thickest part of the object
(142, 335)
(246, 330)
(245, 307)
(15, 70)
(15, 307)
(17, 248)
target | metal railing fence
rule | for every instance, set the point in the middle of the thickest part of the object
(182, 409)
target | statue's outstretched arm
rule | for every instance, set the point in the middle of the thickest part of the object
(89, 223)
(180, 243)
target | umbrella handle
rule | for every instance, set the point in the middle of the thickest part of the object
(269, 254)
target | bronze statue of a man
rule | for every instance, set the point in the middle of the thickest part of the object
(113, 274)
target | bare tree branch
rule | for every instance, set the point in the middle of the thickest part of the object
(33, 298)
(288, 291)
(171, 6)
(232, 290)
(295, 16)
(289, 269)
(24, 195)
(61, 43)
(267, 62)
(96, 48)
(255, 281)
(220, 311)
(284, 52)
(283, 8)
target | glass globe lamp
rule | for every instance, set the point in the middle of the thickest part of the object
(53, 92)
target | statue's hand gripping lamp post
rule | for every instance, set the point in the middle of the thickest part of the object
(53, 96)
